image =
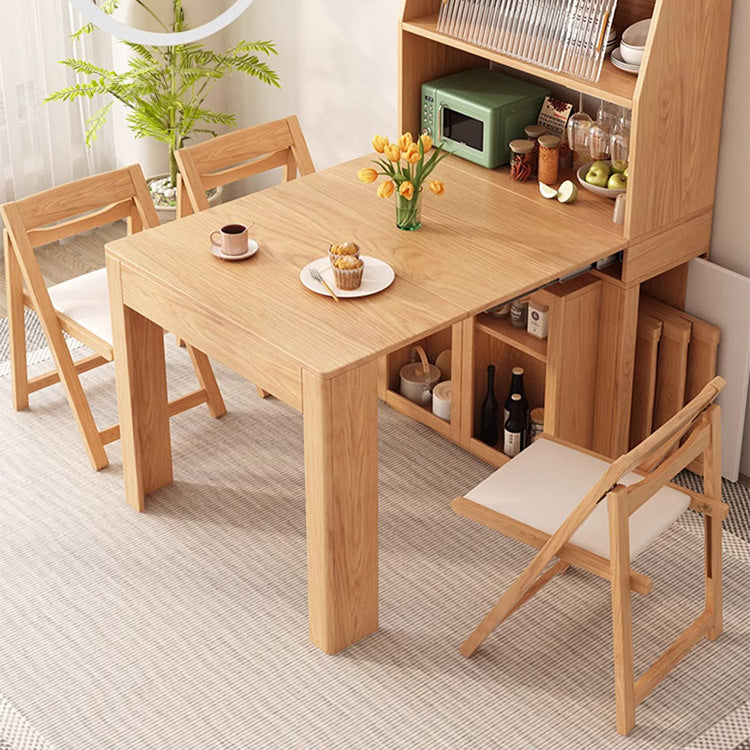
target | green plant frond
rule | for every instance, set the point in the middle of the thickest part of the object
(95, 123)
(266, 47)
(86, 68)
(89, 90)
(250, 65)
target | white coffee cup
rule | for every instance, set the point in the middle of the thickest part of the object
(230, 239)
(441, 400)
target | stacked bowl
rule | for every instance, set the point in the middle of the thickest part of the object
(632, 46)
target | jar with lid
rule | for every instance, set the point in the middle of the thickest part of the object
(520, 159)
(533, 132)
(549, 147)
(519, 312)
(537, 423)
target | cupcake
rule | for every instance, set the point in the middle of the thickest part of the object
(347, 272)
(342, 249)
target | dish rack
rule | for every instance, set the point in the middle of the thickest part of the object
(569, 36)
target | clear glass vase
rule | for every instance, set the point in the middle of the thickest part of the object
(409, 212)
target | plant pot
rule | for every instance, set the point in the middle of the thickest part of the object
(169, 213)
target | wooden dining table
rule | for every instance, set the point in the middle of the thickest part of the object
(480, 244)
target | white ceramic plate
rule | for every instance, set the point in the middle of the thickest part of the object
(252, 248)
(618, 62)
(378, 275)
(603, 191)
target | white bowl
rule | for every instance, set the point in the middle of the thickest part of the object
(604, 192)
(631, 55)
(635, 36)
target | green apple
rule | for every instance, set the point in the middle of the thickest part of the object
(619, 165)
(598, 174)
(617, 182)
(602, 165)
(625, 173)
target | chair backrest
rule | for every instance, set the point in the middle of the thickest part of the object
(657, 456)
(235, 156)
(71, 209)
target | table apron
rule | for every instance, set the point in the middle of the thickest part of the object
(229, 343)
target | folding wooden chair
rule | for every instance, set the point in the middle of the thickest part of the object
(79, 306)
(236, 156)
(536, 498)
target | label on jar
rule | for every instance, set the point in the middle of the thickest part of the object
(512, 443)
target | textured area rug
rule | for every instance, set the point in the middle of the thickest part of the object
(185, 627)
(15, 731)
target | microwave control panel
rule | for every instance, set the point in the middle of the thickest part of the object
(428, 115)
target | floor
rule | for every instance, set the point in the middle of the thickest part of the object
(61, 261)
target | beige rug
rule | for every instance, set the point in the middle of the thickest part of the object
(185, 628)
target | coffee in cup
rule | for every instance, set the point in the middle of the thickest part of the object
(230, 239)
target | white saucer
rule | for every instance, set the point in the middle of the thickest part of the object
(618, 62)
(252, 248)
(378, 275)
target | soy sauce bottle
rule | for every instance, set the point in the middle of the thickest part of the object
(490, 425)
(516, 386)
(514, 431)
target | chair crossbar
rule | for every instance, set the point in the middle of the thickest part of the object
(50, 378)
(179, 405)
(570, 553)
(680, 647)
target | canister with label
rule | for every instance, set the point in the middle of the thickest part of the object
(538, 319)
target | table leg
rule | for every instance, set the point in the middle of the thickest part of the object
(341, 484)
(141, 396)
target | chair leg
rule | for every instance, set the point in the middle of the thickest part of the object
(622, 623)
(207, 380)
(16, 330)
(714, 597)
(79, 404)
(712, 525)
(261, 392)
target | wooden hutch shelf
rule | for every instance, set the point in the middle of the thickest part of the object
(518, 338)
(583, 373)
(613, 85)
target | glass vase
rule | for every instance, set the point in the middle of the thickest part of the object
(409, 212)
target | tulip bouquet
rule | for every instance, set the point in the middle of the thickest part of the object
(406, 165)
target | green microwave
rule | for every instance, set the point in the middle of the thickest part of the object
(475, 114)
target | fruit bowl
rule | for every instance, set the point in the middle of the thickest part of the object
(604, 192)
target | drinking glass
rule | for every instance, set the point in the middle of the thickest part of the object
(578, 127)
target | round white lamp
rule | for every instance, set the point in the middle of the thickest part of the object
(102, 20)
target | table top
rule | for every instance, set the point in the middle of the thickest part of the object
(481, 243)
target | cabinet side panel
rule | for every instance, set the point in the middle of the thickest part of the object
(571, 368)
(677, 114)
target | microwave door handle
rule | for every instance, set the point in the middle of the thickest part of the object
(439, 138)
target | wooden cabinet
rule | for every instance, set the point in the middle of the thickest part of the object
(559, 371)
(676, 102)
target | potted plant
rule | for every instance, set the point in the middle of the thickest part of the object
(164, 90)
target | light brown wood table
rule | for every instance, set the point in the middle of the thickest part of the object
(480, 244)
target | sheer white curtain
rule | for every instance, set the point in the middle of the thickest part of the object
(42, 145)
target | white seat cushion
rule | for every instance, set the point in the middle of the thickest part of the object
(543, 484)
(85, 299)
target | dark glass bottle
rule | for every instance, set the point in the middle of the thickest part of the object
(514, 431)
(516, 386)
(490, 427)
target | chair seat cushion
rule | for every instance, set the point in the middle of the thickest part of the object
(85, 299)
(543, 484)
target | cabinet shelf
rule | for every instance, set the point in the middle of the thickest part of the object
(518, 338)
(419, 413)
(614, 85)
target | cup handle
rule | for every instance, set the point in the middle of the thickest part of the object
(211, 238)
(426, 396)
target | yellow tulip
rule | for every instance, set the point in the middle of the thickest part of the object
(385, 190)
(426, 142)
(406, 190)
(405, 141)
(393, 152)
(412, 154)
(379, 142)
(437, 187)
(368, 174)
